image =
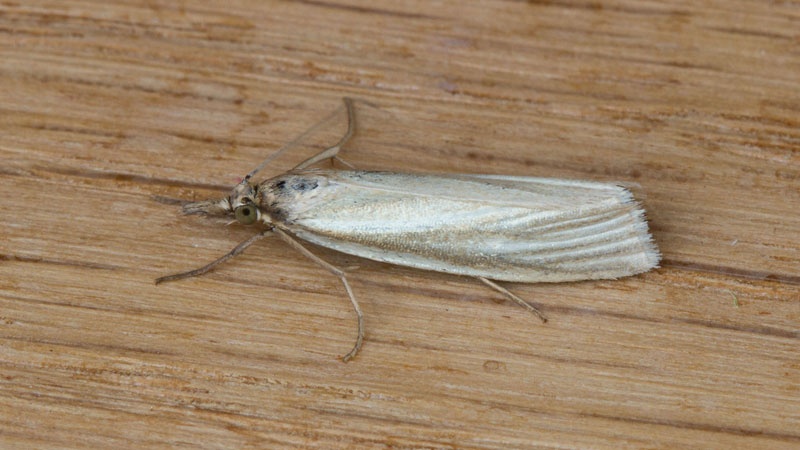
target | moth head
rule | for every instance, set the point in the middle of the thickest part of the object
(240, 204)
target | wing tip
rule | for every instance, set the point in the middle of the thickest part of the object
(652, 254)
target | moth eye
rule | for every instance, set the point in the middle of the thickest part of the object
(245, 214)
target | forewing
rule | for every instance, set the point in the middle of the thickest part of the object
(503, 228)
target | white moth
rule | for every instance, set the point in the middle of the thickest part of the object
(491, 227)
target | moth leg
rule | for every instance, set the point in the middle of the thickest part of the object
(349, 166)
(208, 267)
(511, 296)
(331, 152)
(339, 273)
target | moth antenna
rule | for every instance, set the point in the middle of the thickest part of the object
(294, 141)
(333, 150)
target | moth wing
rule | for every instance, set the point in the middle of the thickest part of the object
(503, 228)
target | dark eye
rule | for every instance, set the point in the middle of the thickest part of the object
(245, 214)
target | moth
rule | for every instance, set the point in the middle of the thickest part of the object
(490, 227)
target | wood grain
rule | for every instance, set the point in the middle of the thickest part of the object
(105, 106)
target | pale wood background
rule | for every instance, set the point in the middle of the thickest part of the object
(104, 106)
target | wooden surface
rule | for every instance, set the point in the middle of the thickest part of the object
(104, 106)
